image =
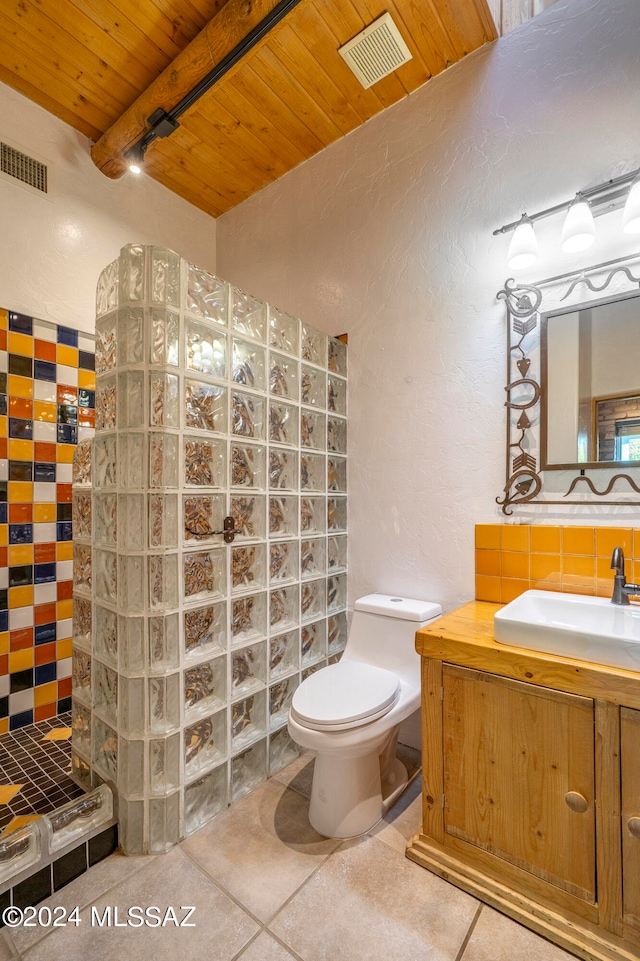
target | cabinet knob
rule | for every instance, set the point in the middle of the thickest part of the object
(578, 803)
(634, 827)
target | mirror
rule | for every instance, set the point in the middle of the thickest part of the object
(590, 380)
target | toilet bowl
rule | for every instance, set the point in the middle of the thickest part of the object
(350, 714)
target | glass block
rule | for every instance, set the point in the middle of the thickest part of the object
(80, 771)
(337, 632)
(282, 751)
(78, 817)
(248, 364)
(334, 659)
(82, 568)
(105, 691)
(313, 429)
(205, 406)
(313, 345)
(131, 273)
(81, 515)
(284, 654)
(163, 460)
(19, 850)
(249, 315)
(283, 516)
(312, 472)
(163, 400)
(313, 599)
(337, 435)
(163, 521)
(105, 749)
(337, 395)
(336, 592)
(205, 462)
(337, 553)
(308, 671)
(313, 642)
(164, 338)
(131, 706)
(205, 630)
(82, 621)
(248, 669)
(283, 608)
(336, 514)
(163, 581)
(131, 586)
(205, 349)
(284, 331)
(313, 386)
(107, 289)
(313, 515)
(131, 461)
(205, 743)
(106, 344)
(132, 643)
(106, 404)
(248, 465)
(204, 799)
(105, 508)
(280, 697)
(81, 727)
(337, 474)
(207, 296)
(248, 770)
(201, 516)
(164, 703)
(131, 826)
(105, 641)
(283, 423)
(164, 823)
(312, 557)
(164, 638)
(205, 687)
(249, 517)
(130, 527)
(204, 574)
(247, 415)
(82, 463)
(131, 767)
(248, 618)
(283, 376)
(165, 276)
(248, 568)
(164, 764)
(130, 336)
(248, 720)
(283, 562)
(283, 469)
(337, 359)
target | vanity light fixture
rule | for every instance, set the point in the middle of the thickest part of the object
(579, 230)
(523, 249)
(631, 216)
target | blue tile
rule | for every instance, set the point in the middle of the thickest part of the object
(3, 514)
(67, 434)
(4, 620)
(45, 673)
(67, 336)
(22, 719)
(67, 414)
(64, 532)
(44, 472)
(44, 573)
(20, 323)
(45, 633)
(64, 705)
(86, 360)
(86, 398)
(21, 533)
(3, 405)
(20, 429)
(43, 370)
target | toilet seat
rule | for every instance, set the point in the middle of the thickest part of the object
(345, 695)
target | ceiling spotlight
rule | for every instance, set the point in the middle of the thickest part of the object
(523, 249)
(631, 216)
(135, 159)
(579, 230)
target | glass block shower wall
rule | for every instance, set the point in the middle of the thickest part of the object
(187, 650)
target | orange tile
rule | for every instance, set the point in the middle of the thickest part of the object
(606, 574)
(64, 590)
(20, 407)
(44, 711)
(19, 821)
(20, 386)
(46, 453)
(578, 540)
(45, 613)
(44, 350)
(67, 395)
(20, 640)
(45, 653)
(43, 410)
(64, 609)
(4, 319)
(515, 564)
(20, 597)
(63, 649)
(64, 551)
(584, 567)
(515, 537)
(20, 449)
(87, 379)
(63, 493)
(20, 554)
(4, 725)
(20, 492)
(20, 513)
(86, 417)
(4, 642)
(45, 693)
(636, 544)
(609, 537)
(545, 540)
(512, 588)
(64, 453)
(58, 734)
(4, 540)
(4, 426)
(3, 339)
(21, 660)
(488, 563)
(488, 589)
(3, 447)
(488, 536)
(64, 687)
(545, 567)
(44, 553)
(20, 344)
(67, 355)
(44, 513)
(4, 664)
(589, 589)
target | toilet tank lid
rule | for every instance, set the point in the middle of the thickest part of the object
(404, 608)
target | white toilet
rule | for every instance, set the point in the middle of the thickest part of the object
(350, 714)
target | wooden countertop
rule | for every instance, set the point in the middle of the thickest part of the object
(465, 637)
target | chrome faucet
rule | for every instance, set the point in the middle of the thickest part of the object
(621, 589)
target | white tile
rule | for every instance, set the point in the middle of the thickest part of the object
(64, 667)
(44, 331)
(64, 570)
(85, 433)
(4, 469)
(67, 375)
(3, 361)
(44, 533)
(44, 493)
(45, 593)
(4, 685)
(43, 430)
(86, 342)
(23, 701)
(4, 578)
(64, 473)
(44, 390)
(64, 629)
(20, 617)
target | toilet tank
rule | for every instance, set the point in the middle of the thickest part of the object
(383, 631)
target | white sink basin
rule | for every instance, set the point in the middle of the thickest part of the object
(572, 625)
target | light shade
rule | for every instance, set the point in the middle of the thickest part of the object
(579, 230)
(523, 249)
(631, 216)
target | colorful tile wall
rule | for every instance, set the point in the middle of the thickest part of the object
(513, 558)
(47, 404)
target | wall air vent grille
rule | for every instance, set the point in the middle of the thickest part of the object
(376, 52)
(14, 163)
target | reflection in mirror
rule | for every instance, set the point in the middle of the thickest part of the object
(591, 385)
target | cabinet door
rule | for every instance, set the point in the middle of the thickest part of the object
(630, 756)
(519, 775)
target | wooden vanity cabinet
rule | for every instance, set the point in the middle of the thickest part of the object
(531, 784)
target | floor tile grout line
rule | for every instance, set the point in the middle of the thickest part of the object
(218, 884)
(468, 935)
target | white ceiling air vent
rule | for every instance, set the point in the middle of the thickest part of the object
(376, 52)
(28, 171)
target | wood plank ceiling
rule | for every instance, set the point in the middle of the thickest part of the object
(88, 61)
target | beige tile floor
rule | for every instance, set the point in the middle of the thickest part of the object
(266, 887)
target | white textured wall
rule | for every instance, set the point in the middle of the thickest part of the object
(52, 253)
(387, 235)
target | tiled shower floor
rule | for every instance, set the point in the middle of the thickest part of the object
(39, 766)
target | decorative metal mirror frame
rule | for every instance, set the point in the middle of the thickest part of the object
(527, 305)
